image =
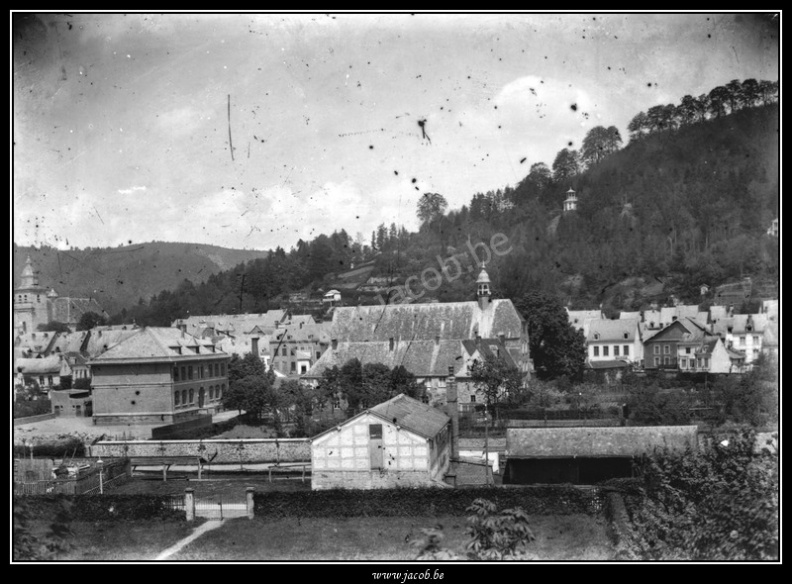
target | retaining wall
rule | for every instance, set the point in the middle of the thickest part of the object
(241, 451)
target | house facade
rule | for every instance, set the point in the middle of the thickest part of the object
(614, 340)
(399, 443)
(662, 350)
(158, 375)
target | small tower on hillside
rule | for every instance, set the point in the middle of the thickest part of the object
(483, 292)
(570, 203)
(29, 278)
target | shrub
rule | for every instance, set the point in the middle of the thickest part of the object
(107, 507)
(719, 504)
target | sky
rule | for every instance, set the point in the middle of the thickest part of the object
(121, 122)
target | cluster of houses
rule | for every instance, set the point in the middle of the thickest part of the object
(682, 338)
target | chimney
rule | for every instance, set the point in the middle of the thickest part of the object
(183, 327)
(437, 340)
(334, 344)
(391, 343)
(452, 408)
(254, 348)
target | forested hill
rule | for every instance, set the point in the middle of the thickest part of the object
(686, 202)
(118, 277)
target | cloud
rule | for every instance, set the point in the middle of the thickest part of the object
(131, 190)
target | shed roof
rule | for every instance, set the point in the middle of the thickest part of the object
(412, 415)
(596, 442)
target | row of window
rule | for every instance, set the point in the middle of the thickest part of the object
(284, 352)
(199, 371)
(24, 298)
(186, 397)
(625, 350)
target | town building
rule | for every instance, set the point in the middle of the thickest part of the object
(296, 347)
(662, 350)
(158, 375)
(427, 339)
(581, 319)
(614, 341)
(399, 443)
(41, 371)
(743, 333)
(35, 306)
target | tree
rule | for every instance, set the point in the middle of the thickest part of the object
(719, 98)
(556, 347)
(431, 206)
(54, 326)
(498, 381)
(638, 126)
(251, 387)
(566, 165)
(90, 320)
(598, 143)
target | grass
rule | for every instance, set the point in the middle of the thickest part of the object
(118, 541)
(558, 538)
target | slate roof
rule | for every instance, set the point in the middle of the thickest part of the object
(421, 358)
(242, 345)
(157, 344)
(740, 323)
(718, 313)
(579, 318)
(412, 415)
(630, 315)
(308, 333)
(489, 348)
(100, 341)
(612, 330)
(45, 365)
(423, 322)
(596, 442)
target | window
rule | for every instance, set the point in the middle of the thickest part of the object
(303, 368)
(666, 349)
(184, 397)
(222, 368)
(472, 398)
(318, 355)
(626, 350)
(183, 373)
(756, 339)
(656, 349)
(283, 352)
(666, 360)
(615, 350)
(683, 363)
(687, 350)
(375, 431)
(742, 341)
(220, 391)
(756, 352)
(656, 361)
(211, 392)
(49, 379)
(175, 374)
(189, 372)
(605, 351)
(596, 351)
(293, 367)
(176, 398)
(192, 395)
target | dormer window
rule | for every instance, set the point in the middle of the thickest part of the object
(596, 336)
(626, 335)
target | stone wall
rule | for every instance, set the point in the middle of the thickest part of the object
(242, 451)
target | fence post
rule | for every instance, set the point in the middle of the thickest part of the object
(189, 503)
(249, 492)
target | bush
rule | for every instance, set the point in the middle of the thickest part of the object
(57, 448)
(25, 409)
(719, 504)
(420, 502)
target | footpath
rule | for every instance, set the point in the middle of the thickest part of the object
(199, 531)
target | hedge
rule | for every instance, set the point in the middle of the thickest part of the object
(26, 409)
(421, 502)
(58, 448)
(106, 507)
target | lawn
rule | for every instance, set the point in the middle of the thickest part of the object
(118, 541)
(558, 538)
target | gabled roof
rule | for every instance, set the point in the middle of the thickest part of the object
(489, 348)
(405, 412)
(45, 365)
(423, 322)
(421, 358)
(741, 323)
(693, 332)
(100, 341)
(612, 330)
(157, 344)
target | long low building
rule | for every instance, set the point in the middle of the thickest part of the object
(586, 455)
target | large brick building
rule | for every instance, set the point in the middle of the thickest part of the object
(158, 375)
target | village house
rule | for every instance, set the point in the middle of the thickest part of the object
(427, 339)
(158, 375)
(399, 443)
(743, 333)
(708, 354)
(581, 319)
(41, 371)
(296, 347)
(614, 341)
(662, 350)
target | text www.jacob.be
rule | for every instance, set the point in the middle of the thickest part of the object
(403, 577)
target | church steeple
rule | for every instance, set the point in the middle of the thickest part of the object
(483, 292)
(29, 278)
